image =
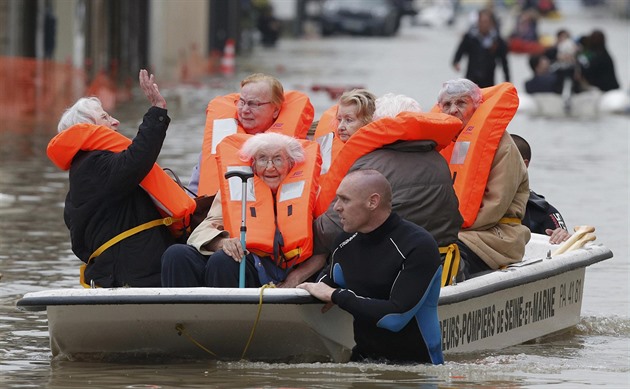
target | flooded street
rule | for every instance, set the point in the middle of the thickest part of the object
(581, 165)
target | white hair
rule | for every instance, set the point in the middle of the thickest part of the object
(272, 140)
(460, 87)
(83, 111)
(390, 105)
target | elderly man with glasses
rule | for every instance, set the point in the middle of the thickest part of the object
(262, 105)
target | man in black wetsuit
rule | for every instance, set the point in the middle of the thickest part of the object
(540, 216)
(386, 272)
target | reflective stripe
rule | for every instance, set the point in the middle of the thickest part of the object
(325, 135)
(326, 148)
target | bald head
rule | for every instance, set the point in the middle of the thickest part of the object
(368, 182)
(364, 201)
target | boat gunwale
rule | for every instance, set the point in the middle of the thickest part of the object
(40, 303)
(510, 277)
(476, 287)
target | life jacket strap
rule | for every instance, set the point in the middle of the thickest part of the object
(167, 221)
(510, 220)
(286, 257)
(450, 268)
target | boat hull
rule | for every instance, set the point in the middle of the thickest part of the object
(283, 333)
(538, 297)
(514, 315)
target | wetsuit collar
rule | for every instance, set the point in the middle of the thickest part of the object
(384, 229)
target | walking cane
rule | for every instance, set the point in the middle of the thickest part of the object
(244, 176)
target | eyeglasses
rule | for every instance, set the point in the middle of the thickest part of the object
(277, 162)
(240, 103)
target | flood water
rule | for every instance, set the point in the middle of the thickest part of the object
(580, 164)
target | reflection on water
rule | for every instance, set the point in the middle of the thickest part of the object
(239, 374)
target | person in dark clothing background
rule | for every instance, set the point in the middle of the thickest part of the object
(268, 25)
(540, 216)
(544, 79)
(484, 47)
(105, 198)
(596, 64)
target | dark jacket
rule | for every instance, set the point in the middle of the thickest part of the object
(544, 83)
(422, 191)
(599, 71)
(483, 55)
(105, 199)
(540, 215)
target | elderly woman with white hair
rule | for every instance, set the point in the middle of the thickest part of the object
(495, 236)
(279, 218)
(105, 200)
(87, 110)
(460, 98)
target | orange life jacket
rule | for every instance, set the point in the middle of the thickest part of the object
(285, 235)
(294, 119)
(470, 156)
(169, 198)
(326, 136)
(438, 127)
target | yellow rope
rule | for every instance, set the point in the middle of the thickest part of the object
(182, 331)
(260, 304)
(179, 327)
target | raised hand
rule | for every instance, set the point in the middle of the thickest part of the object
(150, 89)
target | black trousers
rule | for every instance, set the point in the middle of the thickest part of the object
(473, 266)
(184, 266)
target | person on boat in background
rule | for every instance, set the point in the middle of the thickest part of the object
(497, 237)
(544, 80)
(484, 47)
(354, 110)
(105, 198)
(526, 28)
(540, 216)
(386, 272)
(596, 64)
(261, 105)
(419, 176)
(212, 256)
(563, 58)
(563, 53)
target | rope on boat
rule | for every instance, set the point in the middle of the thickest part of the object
(260, 304)
(179, 327)
(181, 330)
